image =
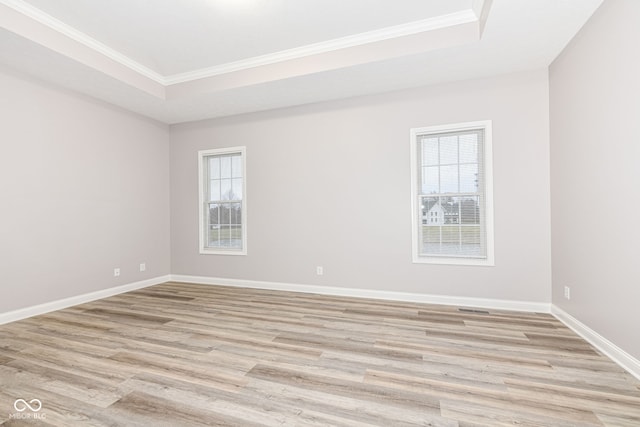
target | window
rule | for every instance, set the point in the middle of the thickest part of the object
(223, 213)
(452, 181)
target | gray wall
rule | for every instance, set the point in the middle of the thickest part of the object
(328, 184)
(84, 188)
(595, 174)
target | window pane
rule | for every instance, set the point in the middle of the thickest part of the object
(224, 214)
(469, 178)
(236, 188)
(430, 180)
(470, 210)
(470, 243)
(427, 203)
(236, 213)
(214, 167)
(236, 166)
(448, 150)
(225, 167)
(449, 179)
(451, 226)
(469, 148)
(227, 236)
(225, 189)
(451, 210)
(214, 214)
(430, 154)
(230, 236)
(214, 224)
(214, 189)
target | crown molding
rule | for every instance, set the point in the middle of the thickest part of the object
(396, 31)
(80, 37)
(449, 20)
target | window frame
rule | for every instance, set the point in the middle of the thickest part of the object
(203, 200)
(416, 214)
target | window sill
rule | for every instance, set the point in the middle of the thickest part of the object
(483, 262)
(221, 252)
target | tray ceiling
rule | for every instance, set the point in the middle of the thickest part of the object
(178, 61)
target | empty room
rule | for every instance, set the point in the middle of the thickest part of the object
(319, 213)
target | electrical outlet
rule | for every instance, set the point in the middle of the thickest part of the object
(143, 266)
(116, 272)
(567, 292)
(319, 270)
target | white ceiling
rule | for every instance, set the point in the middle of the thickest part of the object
(176, 60)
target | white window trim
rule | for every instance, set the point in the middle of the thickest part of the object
(488, 194)
(201, 200)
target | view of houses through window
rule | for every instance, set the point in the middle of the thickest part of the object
(451, 193)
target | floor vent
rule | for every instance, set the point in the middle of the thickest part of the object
(470, 310)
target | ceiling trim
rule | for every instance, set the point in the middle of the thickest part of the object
(415, 27)
(449, 20)
(80, 37)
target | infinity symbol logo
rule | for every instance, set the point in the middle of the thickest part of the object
(21, 405)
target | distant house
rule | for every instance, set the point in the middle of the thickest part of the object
(434, 215)
(436, 212)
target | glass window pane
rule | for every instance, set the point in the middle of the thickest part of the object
(214, 224)
(235, 237)
(448, 150)
(228, 236)
(469, 148)
(470, 241)
(430, 151)
(430, 180)
(214, 214)
(214, 167)
(470, 210)
(225, 167)
(431, 238)
(214, 189)
(225, 189)
(427, 204)
(236, 213)
(224, 214)
(469, 178)
(236, 166)
(449, 179)
(236, 188)
(430, 229)
(214, 236)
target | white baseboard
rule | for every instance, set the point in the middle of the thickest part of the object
(495, 304)
(47, 307)
(619, 356)
(612, 351)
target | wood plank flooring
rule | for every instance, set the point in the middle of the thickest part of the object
(181, 354)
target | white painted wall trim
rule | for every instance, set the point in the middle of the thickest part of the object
(495, 304)
(609, 349)
(47, 307)
(453, 19)
(45, 19)
(619, 356)
(461, 17)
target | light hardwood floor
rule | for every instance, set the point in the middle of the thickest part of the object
(189, 355)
